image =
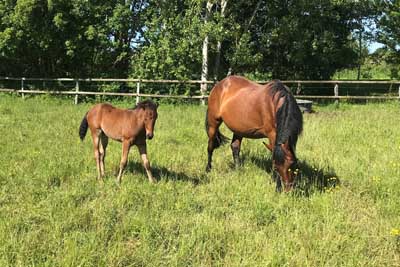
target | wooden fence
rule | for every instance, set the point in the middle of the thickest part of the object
(295, 85)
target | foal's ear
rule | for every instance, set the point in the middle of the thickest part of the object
(157, 105)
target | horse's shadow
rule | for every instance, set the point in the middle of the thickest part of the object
(162, 173)
(309, 179)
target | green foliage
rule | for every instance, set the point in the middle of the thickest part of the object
(376, 66)
(307, 39)
(67, 38)
(54, 213)
(390, 36)
(172, 42)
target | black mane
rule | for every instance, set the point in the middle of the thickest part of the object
(289, 119)
(146, 104)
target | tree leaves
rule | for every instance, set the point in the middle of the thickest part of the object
(304, 39)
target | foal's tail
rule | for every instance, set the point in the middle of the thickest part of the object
(219, 139)
(83, 128)
(289, 121)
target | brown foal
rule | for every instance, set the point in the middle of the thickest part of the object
(128, 126)
(252, 110)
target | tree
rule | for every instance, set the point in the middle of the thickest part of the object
(204, 65)
(302, 39)
(172, 41)
(389, 34)
(68, 37)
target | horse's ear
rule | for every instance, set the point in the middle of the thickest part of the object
(157, 105)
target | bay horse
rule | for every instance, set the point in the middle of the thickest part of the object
(252, 110)
(128, 126)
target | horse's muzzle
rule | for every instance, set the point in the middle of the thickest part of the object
(149, 136)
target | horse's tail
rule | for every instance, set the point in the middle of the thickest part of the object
(289, 120)
(83, 128)
(219, 139)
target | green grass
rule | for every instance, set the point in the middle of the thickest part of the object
(54, 213)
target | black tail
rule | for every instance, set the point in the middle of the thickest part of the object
(289, 121)
(83, 128)
(220, 139)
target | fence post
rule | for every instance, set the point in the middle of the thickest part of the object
(203, 90)
(399, 91)
(298, 90)
(336, 92)
(76, 90)
(22, 87)
(138, 92)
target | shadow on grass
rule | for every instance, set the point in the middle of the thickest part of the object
(162, 173)
(309, 179)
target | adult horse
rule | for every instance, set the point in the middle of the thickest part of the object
(252, 110)
(129, 126)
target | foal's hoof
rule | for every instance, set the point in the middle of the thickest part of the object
(208, 168)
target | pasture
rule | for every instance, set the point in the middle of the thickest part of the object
(54, 213)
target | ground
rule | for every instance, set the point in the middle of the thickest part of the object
(54, 213)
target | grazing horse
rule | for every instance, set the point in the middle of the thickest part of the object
(128, 126)
(252, 110)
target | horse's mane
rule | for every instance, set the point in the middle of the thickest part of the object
(289, 119)
(146, 104)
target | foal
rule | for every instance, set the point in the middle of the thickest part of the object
(128, 126)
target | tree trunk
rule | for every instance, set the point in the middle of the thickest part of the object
(204, 67)
(218, 55)
(359, 54)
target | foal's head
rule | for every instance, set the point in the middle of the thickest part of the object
(148, 114)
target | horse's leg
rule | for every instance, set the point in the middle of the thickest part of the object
(96, 142)
(212, 134)
(271, 138)
(126, 145)
(146, 162)
(275, 175)
(103, 149)
(235, 146)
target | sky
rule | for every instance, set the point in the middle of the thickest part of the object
(373, 46)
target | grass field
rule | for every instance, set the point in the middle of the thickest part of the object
(54, 213)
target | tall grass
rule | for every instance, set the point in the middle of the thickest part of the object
(54, 213)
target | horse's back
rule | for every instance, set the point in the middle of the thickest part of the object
(243, 105)
(231, 85)
(109, 119)
(95, 114)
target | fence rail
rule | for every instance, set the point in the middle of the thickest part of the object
(334, 85)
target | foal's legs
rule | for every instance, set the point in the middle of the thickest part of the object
(126, 145)
(235, 146)
(212, 130)
(96, 143)
(102, 149)
(146, 162)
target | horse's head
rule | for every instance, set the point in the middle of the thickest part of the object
(149, 116)
(285, 163)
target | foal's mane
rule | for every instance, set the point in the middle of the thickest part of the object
(146, 104)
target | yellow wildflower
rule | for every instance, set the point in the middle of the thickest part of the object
(395, 232)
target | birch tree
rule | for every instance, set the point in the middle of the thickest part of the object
(204, 65)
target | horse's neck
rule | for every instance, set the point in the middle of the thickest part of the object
(136, 115)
